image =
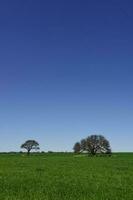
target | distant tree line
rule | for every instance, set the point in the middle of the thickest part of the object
(93, 145)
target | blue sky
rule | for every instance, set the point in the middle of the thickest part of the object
(66, 71)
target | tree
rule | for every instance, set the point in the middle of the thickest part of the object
(94, 144)
(97, 144)
(77, 147)
(30, 145)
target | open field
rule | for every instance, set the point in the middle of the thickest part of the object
(66, 177)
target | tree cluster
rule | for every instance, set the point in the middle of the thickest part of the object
(93, 144)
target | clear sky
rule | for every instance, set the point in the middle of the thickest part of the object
(66, 71)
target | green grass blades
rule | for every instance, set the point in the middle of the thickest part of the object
(66, 177)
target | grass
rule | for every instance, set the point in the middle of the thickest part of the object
(66, 177)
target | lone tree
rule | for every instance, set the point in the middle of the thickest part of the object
(95, 144)
(77, 147)
(30, 145)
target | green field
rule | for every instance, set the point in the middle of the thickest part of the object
(66, 177)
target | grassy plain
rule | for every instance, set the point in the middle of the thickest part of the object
(66, 177)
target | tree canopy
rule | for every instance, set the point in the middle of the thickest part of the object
(77, 147)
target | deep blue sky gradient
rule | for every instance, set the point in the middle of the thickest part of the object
(66, 71)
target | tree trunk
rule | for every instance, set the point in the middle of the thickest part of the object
(93, 152)
(28, 152)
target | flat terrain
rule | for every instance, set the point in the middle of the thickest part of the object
(66, 177)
